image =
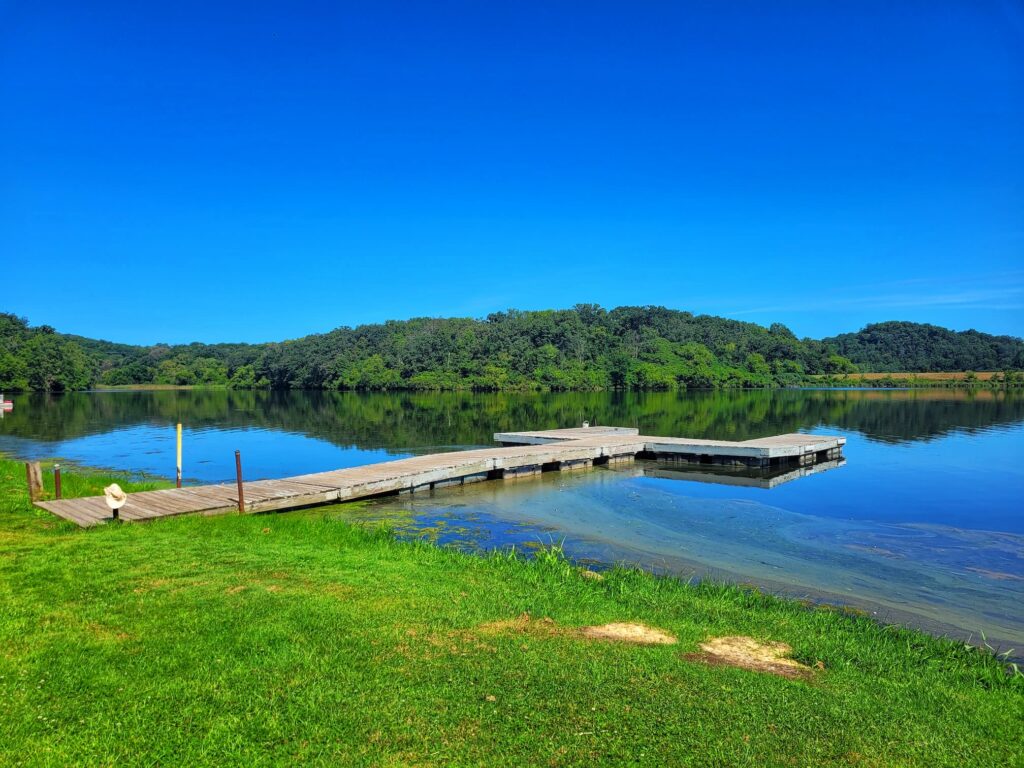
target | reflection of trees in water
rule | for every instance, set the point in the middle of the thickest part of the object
(410, 420)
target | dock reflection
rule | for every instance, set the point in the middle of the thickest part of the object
(744, 477)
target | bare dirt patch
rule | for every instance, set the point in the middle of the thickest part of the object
(481, 637)
(621, 632)
(748, 653)
(628, 633)
(521, 624)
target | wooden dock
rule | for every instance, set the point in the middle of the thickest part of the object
(522, 454)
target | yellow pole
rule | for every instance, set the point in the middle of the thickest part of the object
(179, 455)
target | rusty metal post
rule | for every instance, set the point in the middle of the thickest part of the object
(56, 480)
(238, 478)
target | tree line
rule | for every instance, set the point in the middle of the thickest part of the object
(583, 348)
(922, 348)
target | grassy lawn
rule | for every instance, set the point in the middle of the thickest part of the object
(295, 638)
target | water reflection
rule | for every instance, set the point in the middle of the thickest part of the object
(922, 521)
(747, 477)
(423, 421)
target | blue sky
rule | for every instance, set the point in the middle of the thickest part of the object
(210, 171)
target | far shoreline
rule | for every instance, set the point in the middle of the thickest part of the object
(851, 381)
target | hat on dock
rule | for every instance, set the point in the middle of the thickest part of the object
(116, 498)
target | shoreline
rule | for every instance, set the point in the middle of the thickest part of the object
(89, 477)
(984, 381)
(885, 614)
(273, 639)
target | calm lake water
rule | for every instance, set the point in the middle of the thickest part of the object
(921, 525)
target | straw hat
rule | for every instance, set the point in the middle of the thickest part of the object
(115, 496)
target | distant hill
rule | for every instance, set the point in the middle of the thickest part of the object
(918, 347)
(583, 348)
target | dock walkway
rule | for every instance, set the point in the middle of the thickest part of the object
(521, 454)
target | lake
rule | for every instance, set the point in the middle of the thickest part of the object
(920, 525)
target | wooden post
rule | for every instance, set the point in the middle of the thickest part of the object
(238, 478)
(179, 457)
(34, 474)
(56, 480)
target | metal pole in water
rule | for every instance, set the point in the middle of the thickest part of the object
(56, 480)
(238, 477)
(179, 457)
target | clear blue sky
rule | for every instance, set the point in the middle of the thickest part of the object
(208, 171)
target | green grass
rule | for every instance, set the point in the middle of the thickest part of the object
(276, 640)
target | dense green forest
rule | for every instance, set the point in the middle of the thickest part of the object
(583, 348)
(894, 346)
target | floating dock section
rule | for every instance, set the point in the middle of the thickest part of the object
(522, 454)
(763, 452)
